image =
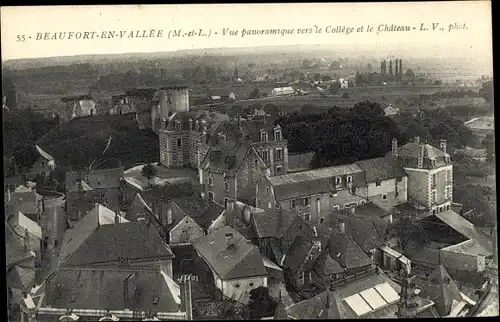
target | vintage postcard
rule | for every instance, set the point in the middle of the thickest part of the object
(249, 161)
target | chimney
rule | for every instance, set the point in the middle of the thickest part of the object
(8, 194)
(79, 184)
(117, 218)
(442, 145)
(394, 147)
(127, 291)
(229, 239)
(341, 227)
(315, 231)
(421, 151)
(186, 296)
(417, 139)
(26, 240)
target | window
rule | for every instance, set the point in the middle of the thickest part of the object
(353, 190)
(277, 135)
(226, 200)
(321, 220)
(434, 179)
(279, 170)
(279, 154)
(210, 182)
(337, 207)
(265, 155)
(384, 197)
(269, 205)
(177, 126)
(237, 285)
(433, 163)
(226, 186)
(307, 217)
(210, 196)
(349, 179)
(263, 136)
(256, 163)
(306, 201)
(301, 278)
(434, 196)
(399, 179)
(250, 284)
(377, 183)
(338, 180)
(179, 143)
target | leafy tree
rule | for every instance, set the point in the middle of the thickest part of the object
(333, 89)
(306, 63)
(9, 91)
(480, 199)
(489, 144)
(346, 95)
(261, 304)
(411, 234)
(410, 74)
(255, 93)
(149, 171)
(334, 65)
(486, 91)
(25, 155)
(326, 78)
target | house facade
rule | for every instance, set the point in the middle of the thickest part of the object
(30, 232)
(44, 164)
(314, 193)
(236, 264)
(184, 136)
(85, 188)
(230, 171)
(78, 106)
(430, 175)
(121, 104)
(387, 182)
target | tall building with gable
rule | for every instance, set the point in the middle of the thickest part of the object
(430, 175)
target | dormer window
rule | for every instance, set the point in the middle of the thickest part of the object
(263, 136)
(349, 179)
(177, 126)
(277, 135)
(433, 163)
(338, 180)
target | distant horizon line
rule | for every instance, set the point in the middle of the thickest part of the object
(277, 47)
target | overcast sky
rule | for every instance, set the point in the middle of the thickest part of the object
(28, 21)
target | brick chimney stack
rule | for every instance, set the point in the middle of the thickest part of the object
(417, 139)
(421, 151)
(341, 227)
(395, 147)
(229, 239)
(442, 145)
(186, 295)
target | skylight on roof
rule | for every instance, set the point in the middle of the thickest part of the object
(372, 299)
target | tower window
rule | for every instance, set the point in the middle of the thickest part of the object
(263, 136)
(179, 143)
(277, 135)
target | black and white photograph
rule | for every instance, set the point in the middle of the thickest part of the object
(249, 161)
